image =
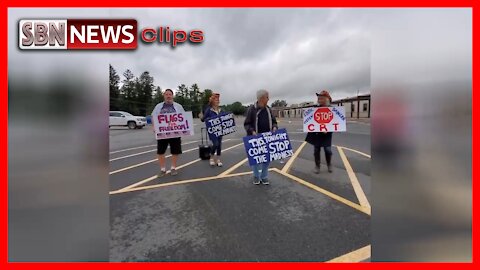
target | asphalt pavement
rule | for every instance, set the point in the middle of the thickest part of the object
(216, 214)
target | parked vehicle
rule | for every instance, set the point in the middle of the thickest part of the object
(125, 119)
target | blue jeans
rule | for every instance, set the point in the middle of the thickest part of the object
(216, 146)
(256, 170)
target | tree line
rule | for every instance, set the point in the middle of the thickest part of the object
(139, 95)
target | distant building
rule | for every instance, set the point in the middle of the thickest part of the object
(355, 107)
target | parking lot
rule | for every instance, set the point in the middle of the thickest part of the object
(216, 214)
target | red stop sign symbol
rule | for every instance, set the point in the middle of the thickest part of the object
(323, 115)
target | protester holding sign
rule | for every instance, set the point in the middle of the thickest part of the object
(168, 107)
(267, 146)
(260, 119)
(212, 111)
(321, 139)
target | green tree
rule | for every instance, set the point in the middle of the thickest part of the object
(205, 98)
(157, 96)
(128, 92)
(236, 108)
(144, 89)
(181, 95)
(194, 97)
(279, 103)
(114, 89)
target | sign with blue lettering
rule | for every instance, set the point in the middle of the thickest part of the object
(268, 146)
(221, 125)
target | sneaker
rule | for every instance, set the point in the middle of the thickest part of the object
(316, 170)
(173, 172)
(265, 181)
(212, 162)
(161, 173)
(256, 181)
(219, 163)
(330, 168)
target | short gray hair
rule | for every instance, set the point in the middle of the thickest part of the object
(261, 93)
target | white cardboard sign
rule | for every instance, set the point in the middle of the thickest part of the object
(172, 125)
(324, 119)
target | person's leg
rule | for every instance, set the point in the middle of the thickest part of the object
(264, 175)
(212, 152)
(161, 148)
(174, 161)
(219, 152)
(161, 161)
(316, 155)
(219, 147)
(328, 157)
(256, 173)
(175, 150)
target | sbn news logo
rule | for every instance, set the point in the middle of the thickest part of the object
(97, 34)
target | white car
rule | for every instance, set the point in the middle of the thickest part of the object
(124, 119)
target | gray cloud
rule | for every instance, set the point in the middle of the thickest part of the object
(291, 52)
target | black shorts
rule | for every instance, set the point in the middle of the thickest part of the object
(175, 146)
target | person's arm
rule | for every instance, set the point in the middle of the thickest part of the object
(152, 116)
(205, 115)
(248, 124)
(274, 122)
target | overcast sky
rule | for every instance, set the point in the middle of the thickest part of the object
(291, 52)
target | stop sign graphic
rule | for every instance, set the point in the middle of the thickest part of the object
(323, 115)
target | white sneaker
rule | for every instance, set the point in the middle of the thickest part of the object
(212, 162)
(219, 163)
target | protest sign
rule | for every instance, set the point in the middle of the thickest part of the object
(268, 146)
(221, 125)
(324, 119)
(172, 125)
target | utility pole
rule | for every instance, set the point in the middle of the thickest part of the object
(358, 104)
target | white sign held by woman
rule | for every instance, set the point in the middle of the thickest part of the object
(324, 119)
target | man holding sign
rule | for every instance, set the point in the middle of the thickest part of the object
(320, 122)
(260, 119)
(169, 124)
(268, 146)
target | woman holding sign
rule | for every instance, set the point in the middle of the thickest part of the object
(213, 110)
(321, 139)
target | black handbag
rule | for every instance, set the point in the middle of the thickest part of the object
(204, 147)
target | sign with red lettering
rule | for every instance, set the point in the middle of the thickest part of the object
(78, 34)
(324, 119)
(172, 125)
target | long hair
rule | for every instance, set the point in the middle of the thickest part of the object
(212, 99)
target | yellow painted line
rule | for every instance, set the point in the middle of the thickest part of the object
(325, 192)
(155, 177)
(179, 167)
(292, 159)
(354, 256)
(233, 168)
(149, 161)
(356, 151)
(353, 179)
(216, 177)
